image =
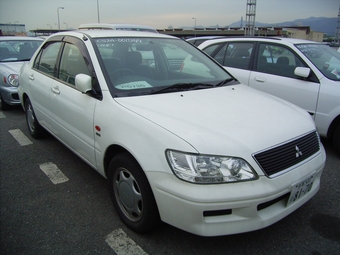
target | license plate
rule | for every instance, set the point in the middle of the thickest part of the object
(300, 189)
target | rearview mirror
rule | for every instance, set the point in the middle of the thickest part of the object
(143, 47)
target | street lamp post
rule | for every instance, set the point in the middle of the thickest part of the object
(195, 25)
(98, 11)
(58, 17)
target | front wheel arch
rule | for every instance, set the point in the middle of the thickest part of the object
(336, 139)
(334, 133)
(131, 194)
(3, 105)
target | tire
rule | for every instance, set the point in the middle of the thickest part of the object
(336, 139)
(3, 105)
(33, 125)
(137, 208)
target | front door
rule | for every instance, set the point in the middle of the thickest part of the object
(73, 111)
(274, 73)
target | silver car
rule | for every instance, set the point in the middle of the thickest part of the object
(14, 50)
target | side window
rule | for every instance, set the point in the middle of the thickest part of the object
(72, 63)
(238, 55)
(219, 56)
(277, 60)
(210, 49)
(174, 56)
(47, 58)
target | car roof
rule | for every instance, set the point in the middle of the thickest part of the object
(256, 38)
(205, 37)
(110, 33)
(129, 27)
(19, 38)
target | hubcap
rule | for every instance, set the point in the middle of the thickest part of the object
(30, 118)
(128, 195)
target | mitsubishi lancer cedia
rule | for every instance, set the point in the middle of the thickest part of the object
(201, 152)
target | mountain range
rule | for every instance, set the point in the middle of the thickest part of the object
(318, 24)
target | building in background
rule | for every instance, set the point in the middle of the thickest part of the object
(12, 29)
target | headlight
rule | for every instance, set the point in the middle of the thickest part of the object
(208, 168)
(13, 80)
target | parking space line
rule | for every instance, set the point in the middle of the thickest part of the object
(2, 116)
(122, 244)
(20, 137)
(51, 170)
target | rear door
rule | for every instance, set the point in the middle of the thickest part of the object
(234, 56)
(40, 78)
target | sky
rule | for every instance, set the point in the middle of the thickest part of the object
(160, 14)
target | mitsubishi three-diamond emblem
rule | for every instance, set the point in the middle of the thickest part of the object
(298, 152)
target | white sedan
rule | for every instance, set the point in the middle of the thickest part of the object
(201, 152)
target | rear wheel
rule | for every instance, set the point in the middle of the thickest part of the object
(33, 125)
(131, 194)
(336, 139)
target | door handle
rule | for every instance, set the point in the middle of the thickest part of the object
(31, 77)
(260, 79)
(55, 90)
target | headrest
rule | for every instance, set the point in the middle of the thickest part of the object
(134, 58)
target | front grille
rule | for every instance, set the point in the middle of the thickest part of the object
(282, 157)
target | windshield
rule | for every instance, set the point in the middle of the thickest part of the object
(142, 66)
(17, 50)
(325, 58)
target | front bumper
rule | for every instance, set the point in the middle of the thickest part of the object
(10, 95)
(214, 210)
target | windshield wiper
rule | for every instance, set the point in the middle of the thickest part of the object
(182, 87)
(224, 82)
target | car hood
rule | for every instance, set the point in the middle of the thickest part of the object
(11, 67)
(223, 121)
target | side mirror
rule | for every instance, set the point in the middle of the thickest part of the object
(83, 83)
(302, 72)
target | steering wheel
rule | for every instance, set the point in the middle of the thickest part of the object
(122, 72)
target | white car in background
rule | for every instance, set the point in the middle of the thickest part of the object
(200, 39)
(203, 153)
(111, 26)
(303, 72)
